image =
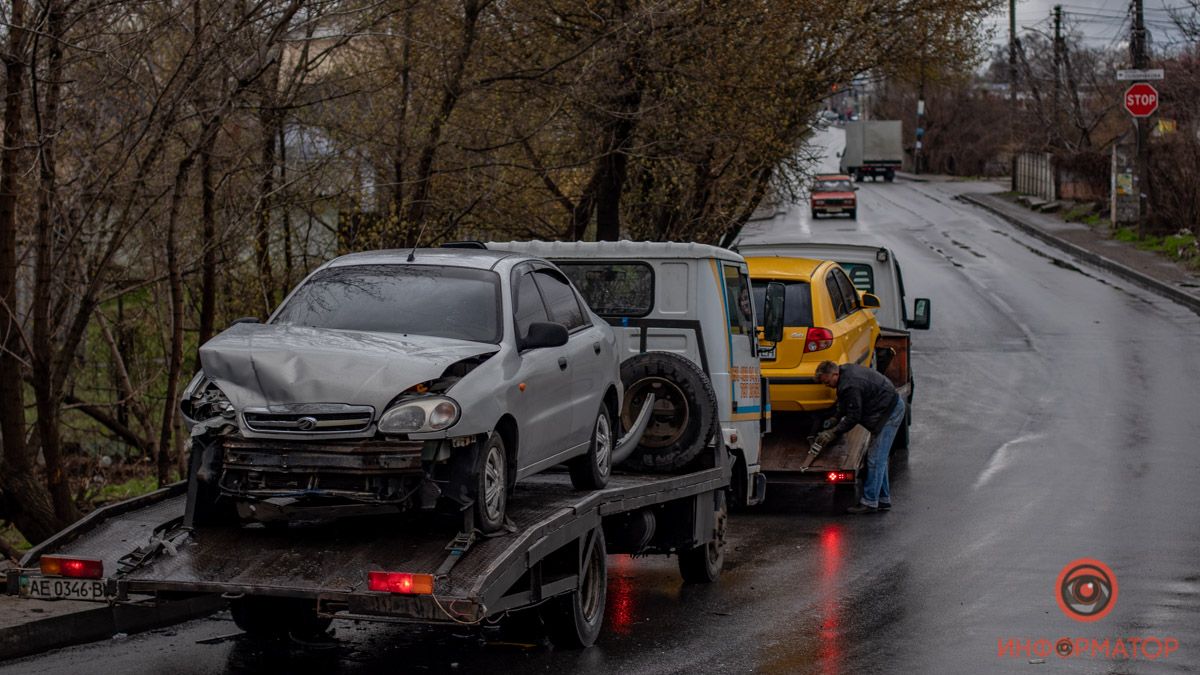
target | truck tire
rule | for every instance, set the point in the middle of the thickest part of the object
(591, 470)
(685, 410)
(275, 618)
(703, 564)
(889, 176)
(574, 620)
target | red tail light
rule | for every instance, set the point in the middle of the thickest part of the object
(839, 476)
(78, 568)
(400, 582)
(818, 339)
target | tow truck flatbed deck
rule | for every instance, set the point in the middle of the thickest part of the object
(330, 562)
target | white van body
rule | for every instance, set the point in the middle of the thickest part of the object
(690, 316)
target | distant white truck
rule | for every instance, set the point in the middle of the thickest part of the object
(874, 148)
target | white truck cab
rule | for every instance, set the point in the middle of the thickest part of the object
(673, 304)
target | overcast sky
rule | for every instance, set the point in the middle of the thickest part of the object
(1101, 23)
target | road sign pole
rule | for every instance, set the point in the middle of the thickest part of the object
(1137, 48)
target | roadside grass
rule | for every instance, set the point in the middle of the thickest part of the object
(13, 538)
(133, 487)
(1181, 246)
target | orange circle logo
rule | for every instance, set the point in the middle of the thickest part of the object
(1086, 590)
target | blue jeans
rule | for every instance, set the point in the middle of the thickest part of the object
(875, 489)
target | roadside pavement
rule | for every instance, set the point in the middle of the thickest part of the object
(1147, 269)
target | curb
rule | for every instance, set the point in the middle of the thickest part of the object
(101, 623)
(1149, 283)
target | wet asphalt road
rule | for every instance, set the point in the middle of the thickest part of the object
(1057, 416)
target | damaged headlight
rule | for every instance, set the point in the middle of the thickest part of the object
(204, 400)
(416, 415)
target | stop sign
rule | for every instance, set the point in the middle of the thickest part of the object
(1141, 100)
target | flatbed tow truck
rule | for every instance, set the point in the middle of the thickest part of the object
(297, 578)
(788, 457)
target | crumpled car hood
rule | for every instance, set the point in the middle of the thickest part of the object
(260, 365)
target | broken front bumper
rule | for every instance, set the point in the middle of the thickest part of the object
(370, 471)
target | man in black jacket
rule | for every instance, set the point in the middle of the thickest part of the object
(866, 397)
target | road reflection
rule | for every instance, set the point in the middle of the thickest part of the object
(622, 601)
(829, 652)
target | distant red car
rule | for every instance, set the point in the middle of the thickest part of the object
(832, 194)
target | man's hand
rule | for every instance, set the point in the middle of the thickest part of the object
(825, 438)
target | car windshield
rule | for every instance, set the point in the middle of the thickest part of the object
(448, 302)
(797, 302)
(832, 186)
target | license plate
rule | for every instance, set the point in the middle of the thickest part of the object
(52, 588)
(767, 353)
(833, 209)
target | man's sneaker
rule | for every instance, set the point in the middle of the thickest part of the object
(859, 509)
(885, 506)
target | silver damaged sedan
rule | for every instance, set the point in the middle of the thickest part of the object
(393, 379)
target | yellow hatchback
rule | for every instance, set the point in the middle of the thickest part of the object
(825, 317)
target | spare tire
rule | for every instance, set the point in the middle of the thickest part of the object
(685, 410)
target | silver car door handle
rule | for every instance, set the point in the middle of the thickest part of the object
(596, 347)
(562, 363)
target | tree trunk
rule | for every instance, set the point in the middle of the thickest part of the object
(262, 234)
(26, 502)
(415, 214)
(400, 152)
(614, 163)
(285, 218)
(208, 241)
(47, 228)
(175, 287)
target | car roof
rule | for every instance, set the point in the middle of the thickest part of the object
(783, 267)
(860, 253)
(552, 250)
(831, 176)
(458, 257)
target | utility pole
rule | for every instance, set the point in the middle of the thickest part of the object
(1141, 126)
(1058, 58)
(919, 146)
(1012, 86)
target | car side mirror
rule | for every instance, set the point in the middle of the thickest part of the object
(245, 319)
(920, 320)
(545, 334)
(773, 312)
(871, 301)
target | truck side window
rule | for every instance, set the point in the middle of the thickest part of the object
(560, 299)
(835, 296)
(738, 301)
(528, 307)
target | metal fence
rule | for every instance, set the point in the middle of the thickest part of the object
(1035, 175)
